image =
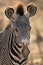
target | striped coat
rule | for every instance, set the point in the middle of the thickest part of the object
(10, 53)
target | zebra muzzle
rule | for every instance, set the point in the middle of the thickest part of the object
(25, 51)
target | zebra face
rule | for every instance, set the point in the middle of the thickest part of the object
(21, 20)
(22, 28)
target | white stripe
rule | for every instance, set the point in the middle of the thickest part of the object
(13, 61)
(15, 50)
(14, 56)
(20, 49)
(24, 62)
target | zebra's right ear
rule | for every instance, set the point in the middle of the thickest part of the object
(9, 12)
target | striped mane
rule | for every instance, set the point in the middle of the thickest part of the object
(20, 9)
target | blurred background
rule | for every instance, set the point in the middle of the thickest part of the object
(36, 40)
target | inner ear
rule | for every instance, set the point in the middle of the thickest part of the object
(9, 12)
(31, 9)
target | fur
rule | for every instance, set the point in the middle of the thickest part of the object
(20, 10)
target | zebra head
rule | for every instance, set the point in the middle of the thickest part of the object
(21, 21)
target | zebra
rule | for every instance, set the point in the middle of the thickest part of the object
(18, 33)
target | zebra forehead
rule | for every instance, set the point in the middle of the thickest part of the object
(22, 21)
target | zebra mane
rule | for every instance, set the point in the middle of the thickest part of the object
(20, 9)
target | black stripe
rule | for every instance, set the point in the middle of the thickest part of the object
(15, 60)
(13, 52)
(9, 39)
(16, 49)
(23, 61)
(16, 43)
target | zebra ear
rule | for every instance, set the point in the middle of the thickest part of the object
(31, 9)
(9, 12)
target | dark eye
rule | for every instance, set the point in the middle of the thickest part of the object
(16, 29)
(29, 28)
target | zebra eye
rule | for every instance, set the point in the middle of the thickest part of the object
(29, 28)
(16, 29)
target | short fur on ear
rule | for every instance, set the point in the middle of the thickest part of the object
(9, 12)
(31, 9)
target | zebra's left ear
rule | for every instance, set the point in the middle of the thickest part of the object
(9, 12)
(31, 9)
